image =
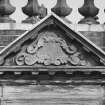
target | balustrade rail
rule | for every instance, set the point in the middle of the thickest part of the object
(34, 11)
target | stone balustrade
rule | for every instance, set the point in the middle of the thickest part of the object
(33, 10)
(27, 90)
(11, 28)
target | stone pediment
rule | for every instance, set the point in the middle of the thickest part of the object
(52, 43)
(50, 50)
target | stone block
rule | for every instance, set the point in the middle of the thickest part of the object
(52, 95)
(5, 40)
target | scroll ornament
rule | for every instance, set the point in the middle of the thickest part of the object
(50, 50)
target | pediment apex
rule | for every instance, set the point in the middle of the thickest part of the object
(16, 45)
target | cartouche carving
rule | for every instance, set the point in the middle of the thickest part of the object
(50, 49)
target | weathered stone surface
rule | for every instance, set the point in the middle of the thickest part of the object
(1, 47)
(89, 11)
(50, 49)
(8, 36)
(32, 9)
(6, 9)
(11, 32)
(40, 102)
(61, 8)
(74, 47)
(5, 40)
(56, 95)
(97, 38)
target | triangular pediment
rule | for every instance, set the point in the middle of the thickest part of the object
(52, 43)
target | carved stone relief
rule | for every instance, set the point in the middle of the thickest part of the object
(50, 50)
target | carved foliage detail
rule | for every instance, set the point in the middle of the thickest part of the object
(50, 49)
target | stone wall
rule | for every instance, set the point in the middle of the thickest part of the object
(9, 32)
(51, 95)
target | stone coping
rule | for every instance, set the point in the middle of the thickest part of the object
(53, 68)
(77, 27)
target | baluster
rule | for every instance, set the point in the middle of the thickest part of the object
(32, 10)
(89, 11)
(43, 12)
(61, 8)
(6, 9)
